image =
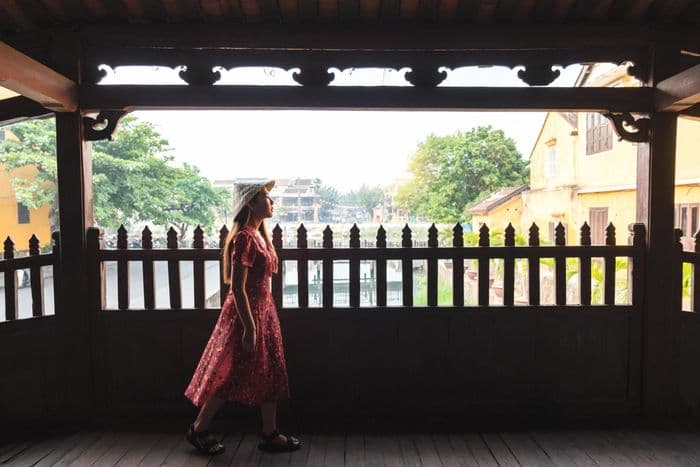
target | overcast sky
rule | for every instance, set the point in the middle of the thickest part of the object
(343, 148)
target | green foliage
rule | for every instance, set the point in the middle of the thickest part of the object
(451, 172)
(329, 197)
(133, 176)
(366, 197)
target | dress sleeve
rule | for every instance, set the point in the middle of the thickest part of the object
(244, 249)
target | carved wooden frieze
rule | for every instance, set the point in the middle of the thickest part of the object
(623, 120)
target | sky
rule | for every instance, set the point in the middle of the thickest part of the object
(345, 149)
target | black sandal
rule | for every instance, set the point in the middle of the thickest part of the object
(268, 445)
(204, 442)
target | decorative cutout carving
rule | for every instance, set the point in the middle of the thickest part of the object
(509, 237)
(110, 119)
(425, 76)
(93, 75)
(639, 71)
(621, 120)
(315, 75)
(202, 75)
(538, 74)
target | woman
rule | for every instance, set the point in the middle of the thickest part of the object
(244, 359)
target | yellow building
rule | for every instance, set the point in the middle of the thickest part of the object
(16, 220)
(580, 172)
(499, 209)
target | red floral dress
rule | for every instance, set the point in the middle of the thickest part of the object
(226, 369)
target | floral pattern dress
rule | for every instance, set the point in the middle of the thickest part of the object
(226, 369)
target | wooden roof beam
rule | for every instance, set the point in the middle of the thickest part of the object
(16, 109)
(678, 92)
(26, 76)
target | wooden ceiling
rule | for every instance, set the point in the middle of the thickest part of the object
(29, 15)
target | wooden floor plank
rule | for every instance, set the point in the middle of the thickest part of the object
(335, 450)
(388, 445)
(97, 449)
(71, 455)
(448, 454)
(118, 450)
(478, 448)
(671, 449)
(638, 454)
(247, 453)
(460, 449)
(355, 450)
(301, 457)
(39, 450)
(231, 442)
(599, 449)
(689, 440)
(17, 450)
(427, 451)
(525, 449)
(60, 450)
(139, 446)
(373, 451)
(409, 451)
(161, 449)
(499, 449)
(561, 449)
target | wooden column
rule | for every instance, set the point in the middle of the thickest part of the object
(74, 159)
(655, 198)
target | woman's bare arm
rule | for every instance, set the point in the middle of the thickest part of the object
(239, 277)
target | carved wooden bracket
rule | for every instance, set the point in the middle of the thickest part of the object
(538, 74)
(200, 75)
(639, 71)
(425, 76)
(626, 119)
(102, 126)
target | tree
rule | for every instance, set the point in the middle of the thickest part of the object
(329, 197)
(451, 172)
(133, 176)
(366, 197)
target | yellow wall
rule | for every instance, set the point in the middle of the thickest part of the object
(39, 222)
(548, 205)
(498, 218)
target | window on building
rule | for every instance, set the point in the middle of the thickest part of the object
(551, 162)
(686, 218)
(22, 214)
(598, 133)
(598, 222)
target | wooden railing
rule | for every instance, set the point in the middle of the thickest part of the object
(457, 254)
(688, 273)
(9, 266)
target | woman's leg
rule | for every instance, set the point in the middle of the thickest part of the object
(207, 412)
(269, 416)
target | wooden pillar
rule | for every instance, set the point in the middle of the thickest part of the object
(74, 170)
(655, 200)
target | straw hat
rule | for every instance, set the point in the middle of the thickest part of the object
(243, 192)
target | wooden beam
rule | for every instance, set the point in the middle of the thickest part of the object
(679, 91)
(16, 109)
(135, 97)
(38, 82)
(692, 112)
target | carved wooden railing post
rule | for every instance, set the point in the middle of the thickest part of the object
(37, 279)
(122, 270)
(174, 272)
(458, 267)
(278, 277)
(432, 267)
(302, 268)
(354, 267)
(149, 301)
(609, 280)
(533, 264)
(639, 236)
(327, 269)
(96, 275)
(406, 268)
(381, 267)
(198, 269)
(560, 265)
(11, 300)
(696, 276)
(483, 277)
(678, 270)
(509, 266)
(585, 267)
(223, 286)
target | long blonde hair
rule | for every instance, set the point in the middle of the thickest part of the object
(238, 222)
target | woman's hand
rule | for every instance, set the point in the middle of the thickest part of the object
(249, 336)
